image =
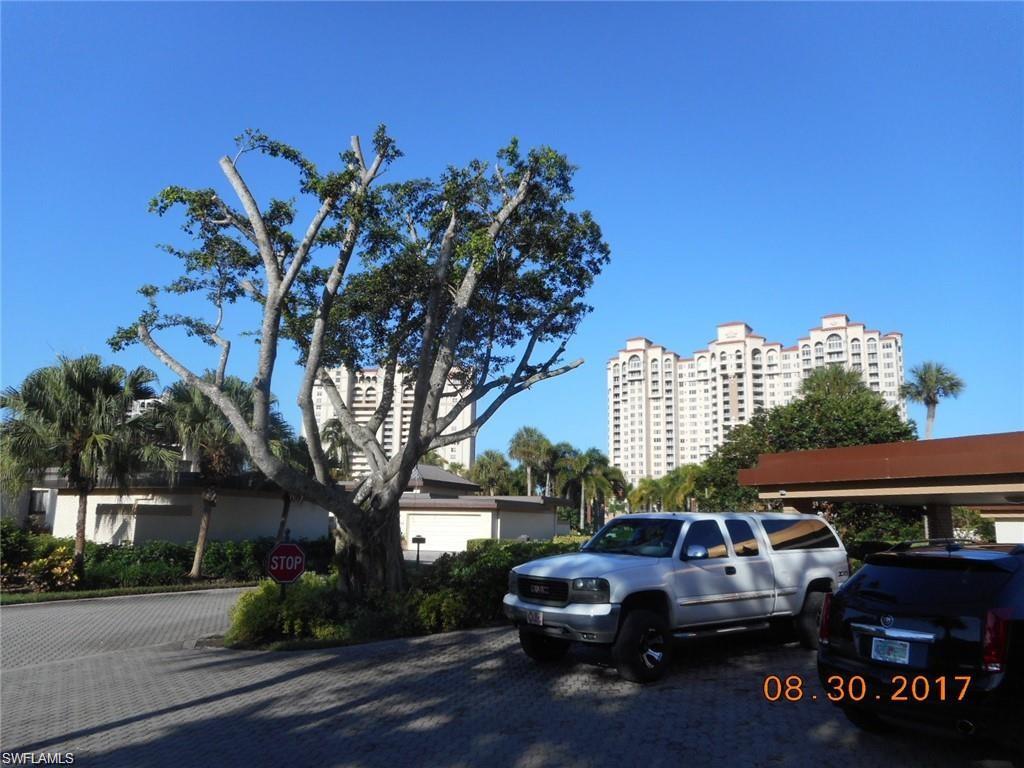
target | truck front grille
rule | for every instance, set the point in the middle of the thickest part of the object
(544, 590)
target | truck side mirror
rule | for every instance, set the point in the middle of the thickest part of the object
(696, 552)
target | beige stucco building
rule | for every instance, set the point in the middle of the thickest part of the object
(665, 410)
(362, 391)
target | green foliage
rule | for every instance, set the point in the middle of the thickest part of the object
(256, 617)
(572, 539)
(875, 522)
(444, 611)
(15, 545)
(492, 472)
(309, 601)
(52, 572)
(384, 616)
(456, 592)
(73, 416)
(480, 576)
(154, 563)
(970, 523)
(836, 410)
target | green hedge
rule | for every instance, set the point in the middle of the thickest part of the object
(154, 563)
(456, 592)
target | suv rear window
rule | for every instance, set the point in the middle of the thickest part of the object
(801, 533)
(927, 581)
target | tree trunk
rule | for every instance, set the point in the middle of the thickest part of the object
(370, 559)
(547, 484)
(286, 505)
(83, 505)
(929, 422)
(209, 502)
(529, 480)
(583, 506)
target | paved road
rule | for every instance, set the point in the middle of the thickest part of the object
(47, 632)
(460, 699)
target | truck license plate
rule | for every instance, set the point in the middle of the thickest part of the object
(535, 617)
(893, 651)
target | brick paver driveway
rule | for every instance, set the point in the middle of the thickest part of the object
(460, 699)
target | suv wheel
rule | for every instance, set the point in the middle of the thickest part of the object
(541, 647)
(643, 651)
(809, 619)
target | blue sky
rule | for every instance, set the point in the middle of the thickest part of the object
(767, 163)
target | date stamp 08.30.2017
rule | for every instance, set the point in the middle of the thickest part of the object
(838, 689)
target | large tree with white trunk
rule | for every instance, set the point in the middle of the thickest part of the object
(470, 283)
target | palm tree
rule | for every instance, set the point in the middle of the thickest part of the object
(589, 475)
(338, 447)
(551, 455)
(210, 443)
(73, 416)
(527, 447)
(931, 382)
(492, 472)
(433, 459)
(679, 486)
(647, 494)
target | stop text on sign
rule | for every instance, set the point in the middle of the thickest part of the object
(286, 562)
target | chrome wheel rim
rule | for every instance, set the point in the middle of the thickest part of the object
(652, 648)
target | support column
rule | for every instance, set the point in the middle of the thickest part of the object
(802, 506)
(939, 521)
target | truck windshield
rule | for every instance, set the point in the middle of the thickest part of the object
(644, 538)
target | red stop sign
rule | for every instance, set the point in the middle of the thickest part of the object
(286, 562)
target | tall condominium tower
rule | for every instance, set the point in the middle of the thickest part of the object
(665, 410)
(362, 391)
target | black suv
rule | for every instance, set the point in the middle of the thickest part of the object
(932, 634)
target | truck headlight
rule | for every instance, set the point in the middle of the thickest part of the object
(513, 583)
(590, 591)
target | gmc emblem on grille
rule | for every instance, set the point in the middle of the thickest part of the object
(539, 589)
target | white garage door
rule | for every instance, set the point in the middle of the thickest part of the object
(447, 533)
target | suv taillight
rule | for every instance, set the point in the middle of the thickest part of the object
(996, 641)
(826, 611)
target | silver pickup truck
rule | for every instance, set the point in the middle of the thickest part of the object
(648, 578)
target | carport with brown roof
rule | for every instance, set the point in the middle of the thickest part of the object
(978, 471)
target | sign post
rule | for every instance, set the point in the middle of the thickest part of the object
(417, 540)
(285, 563)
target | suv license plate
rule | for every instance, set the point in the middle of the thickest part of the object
(893, 651)
(535, 617)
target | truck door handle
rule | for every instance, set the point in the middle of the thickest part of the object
(730, 570)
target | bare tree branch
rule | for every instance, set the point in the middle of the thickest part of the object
(441, 440)
(323, 311)
(457, 314)
(360, 435)
(259, 226)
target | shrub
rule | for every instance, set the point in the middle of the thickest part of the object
(385, 616)
(310, 601)
(52, 572)
(480, 576)
(255, 618)
(15, 545)
(443, 611)
(310, 606)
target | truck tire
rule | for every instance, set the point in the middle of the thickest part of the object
(809, 619)
(643, 650)
(541, 647)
